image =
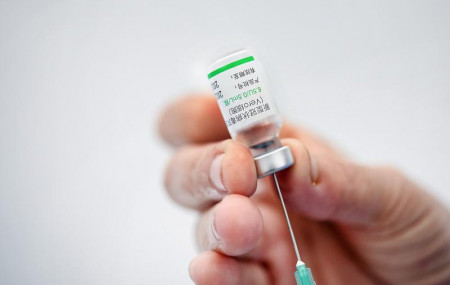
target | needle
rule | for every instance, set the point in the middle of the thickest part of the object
(287, 218)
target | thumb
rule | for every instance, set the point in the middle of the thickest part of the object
(331, 188)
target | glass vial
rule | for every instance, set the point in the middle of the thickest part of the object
(250, 113)
(249, 110)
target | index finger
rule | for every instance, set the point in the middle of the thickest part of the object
(197, 119)
(193, 119)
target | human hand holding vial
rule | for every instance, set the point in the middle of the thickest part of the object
(252, 118)
(356, 224)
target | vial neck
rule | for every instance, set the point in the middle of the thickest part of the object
(265, 147)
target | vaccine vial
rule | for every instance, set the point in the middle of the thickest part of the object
(249, 110)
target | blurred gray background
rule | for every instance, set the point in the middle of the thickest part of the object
(82, 84)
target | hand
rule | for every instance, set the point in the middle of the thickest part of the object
(354, 224)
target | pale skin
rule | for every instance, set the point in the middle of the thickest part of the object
(354, 224)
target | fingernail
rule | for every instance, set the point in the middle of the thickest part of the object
(214, 238)
(314, 170)
(216, 174)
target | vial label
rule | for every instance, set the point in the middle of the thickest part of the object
(241, 93)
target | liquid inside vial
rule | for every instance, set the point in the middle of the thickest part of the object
(248, 109)
(260, 137)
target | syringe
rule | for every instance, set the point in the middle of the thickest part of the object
(252, 118)
(270, 163)
(303, 275)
